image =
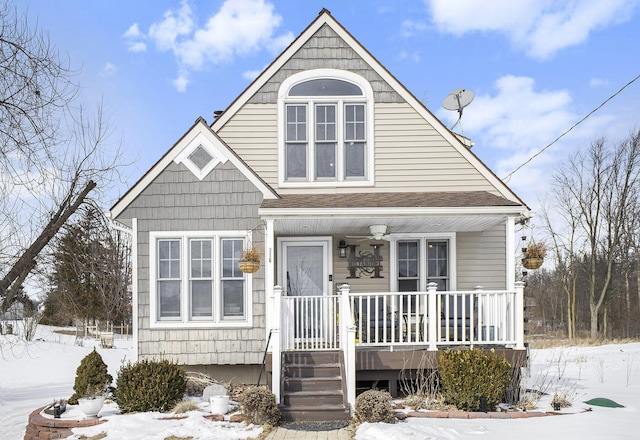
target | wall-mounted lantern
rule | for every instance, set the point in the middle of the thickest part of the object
(342, 249)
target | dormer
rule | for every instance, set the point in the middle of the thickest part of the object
(325, 130)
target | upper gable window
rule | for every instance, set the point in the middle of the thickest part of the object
(327, 129)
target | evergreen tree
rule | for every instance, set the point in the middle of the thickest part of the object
(91, 274)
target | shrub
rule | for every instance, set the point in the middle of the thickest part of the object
(374, 406)
(91, 376)
(469, 375)
(259, 405)
(185, 406)
(149, 385)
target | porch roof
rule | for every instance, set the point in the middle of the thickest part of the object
(458, 199)
(402, 212)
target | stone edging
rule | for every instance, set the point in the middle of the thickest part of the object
(45, 428)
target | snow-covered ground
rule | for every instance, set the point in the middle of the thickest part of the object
(34, 374)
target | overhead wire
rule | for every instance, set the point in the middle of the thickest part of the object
(508, 176)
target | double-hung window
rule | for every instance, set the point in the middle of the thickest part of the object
(195, 279)
(327, 130)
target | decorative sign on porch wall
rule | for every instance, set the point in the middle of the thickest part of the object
(364, 262)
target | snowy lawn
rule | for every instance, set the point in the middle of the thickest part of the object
(33, 375)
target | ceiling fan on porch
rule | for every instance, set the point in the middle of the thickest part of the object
(378, 232)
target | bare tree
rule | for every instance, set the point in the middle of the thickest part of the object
(596, 192)
(51, 154)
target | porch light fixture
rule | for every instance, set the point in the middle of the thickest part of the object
(342, 249)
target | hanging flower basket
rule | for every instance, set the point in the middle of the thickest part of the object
(532, 262)
(249, 266)
(250, 260)
(533, 255)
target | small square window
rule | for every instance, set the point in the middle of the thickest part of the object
(200, 157)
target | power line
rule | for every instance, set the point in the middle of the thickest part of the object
(508, 176)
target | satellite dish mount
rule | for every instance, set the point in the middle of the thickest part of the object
(457, 100)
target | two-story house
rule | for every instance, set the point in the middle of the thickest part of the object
(383, 237)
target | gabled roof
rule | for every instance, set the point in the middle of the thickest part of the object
(199, 133)
(325, 18)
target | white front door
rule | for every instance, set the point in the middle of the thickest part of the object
(304, 273)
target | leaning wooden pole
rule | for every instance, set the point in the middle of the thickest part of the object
(27, 261)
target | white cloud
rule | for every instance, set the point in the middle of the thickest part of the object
(135, 39)
(108, 69)
(175, 24)
(516, 121)
(181, 82)
(540, 28)
(409, 28)
(598, 82)
(239, 28)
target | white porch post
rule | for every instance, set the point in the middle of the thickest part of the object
(510, 250)
(519, 315)
(433, 316)
(276, 357)
(348, 342)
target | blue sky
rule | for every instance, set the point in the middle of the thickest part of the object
(536, 67)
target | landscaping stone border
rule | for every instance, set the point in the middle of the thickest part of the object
(45, 428)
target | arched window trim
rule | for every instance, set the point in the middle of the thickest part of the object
(366, 98)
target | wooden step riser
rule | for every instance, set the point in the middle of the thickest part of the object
(310, 384)
(294, 400)
(304, 371)
(315, 358)
(327, 415)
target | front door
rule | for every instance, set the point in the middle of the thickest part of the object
(304, 275)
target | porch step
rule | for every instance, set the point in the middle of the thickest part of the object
(313, 388)
(315, 413)
(311, 398)
(316, 384)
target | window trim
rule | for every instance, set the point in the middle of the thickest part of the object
(367, 99)
(422, 257)
(185, 320)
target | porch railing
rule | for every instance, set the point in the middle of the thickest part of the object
(310, 322)
(432, 318)
(460, 318)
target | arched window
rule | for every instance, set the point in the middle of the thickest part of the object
(326, 134)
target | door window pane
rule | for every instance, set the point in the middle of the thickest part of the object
(438, 263)
(305, 266)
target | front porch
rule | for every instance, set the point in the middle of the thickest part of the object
(389, 332)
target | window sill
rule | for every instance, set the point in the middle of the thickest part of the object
(325, 184)
(199, 325)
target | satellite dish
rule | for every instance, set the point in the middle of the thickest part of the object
(457, 100)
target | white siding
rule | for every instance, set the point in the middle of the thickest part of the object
(410, 155)
(482, 259)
